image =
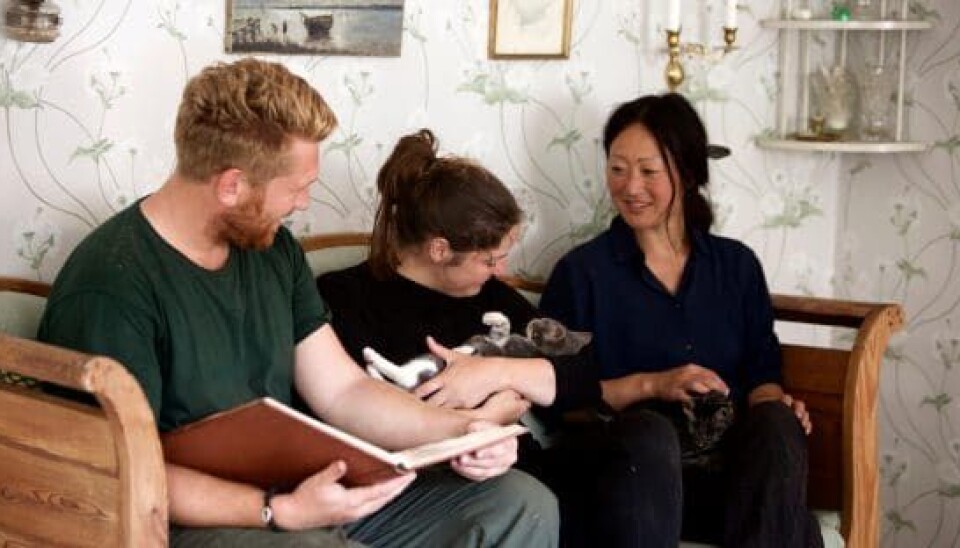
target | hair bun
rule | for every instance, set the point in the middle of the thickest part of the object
(716, 152)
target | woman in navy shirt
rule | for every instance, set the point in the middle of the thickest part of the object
(676, 311)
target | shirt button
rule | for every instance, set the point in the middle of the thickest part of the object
(676, 305)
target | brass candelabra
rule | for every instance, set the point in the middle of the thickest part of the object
(674, 70)
(673, 73)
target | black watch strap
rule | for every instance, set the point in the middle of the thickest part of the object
(266, 513)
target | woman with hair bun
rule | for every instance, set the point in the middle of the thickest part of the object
(442, 234)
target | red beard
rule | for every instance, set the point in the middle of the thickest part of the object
(246, 227)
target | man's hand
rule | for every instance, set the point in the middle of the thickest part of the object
(465, 383)
(504, 407)
(321, 501)
(487, 462)
(678, 383)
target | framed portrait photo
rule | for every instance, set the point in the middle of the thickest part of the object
(530, 29)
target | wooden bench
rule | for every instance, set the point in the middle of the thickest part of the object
(838, 385)
(82, 475)
(72, 474)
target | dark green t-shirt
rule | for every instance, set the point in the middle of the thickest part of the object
(198, 341)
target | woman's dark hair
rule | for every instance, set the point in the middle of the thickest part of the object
(423, 196)
(682, 140)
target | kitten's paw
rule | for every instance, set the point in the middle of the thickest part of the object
(494, 319)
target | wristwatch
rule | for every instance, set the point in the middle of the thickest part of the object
(266, 512)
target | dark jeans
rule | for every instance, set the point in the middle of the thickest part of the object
(757, 498)
(620, 483)
(617, 481)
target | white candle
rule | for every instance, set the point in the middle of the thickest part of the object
(673, 15)
(730, 21)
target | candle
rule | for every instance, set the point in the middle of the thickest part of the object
(730, 21)
(673, 15)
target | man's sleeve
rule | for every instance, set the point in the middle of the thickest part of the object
(310, 313)
(102, 324)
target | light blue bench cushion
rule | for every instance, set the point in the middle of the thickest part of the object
(20, 313)
(19, 316)
(829, 528)
(335, 258)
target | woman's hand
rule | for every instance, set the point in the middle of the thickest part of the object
(322, 501)
(800, 410)
(465, 383)
(773, 392)
(678, 383)
(487, 462)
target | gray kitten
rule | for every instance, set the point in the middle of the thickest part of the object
(544, 337)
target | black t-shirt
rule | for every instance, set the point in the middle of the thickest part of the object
(394, 317)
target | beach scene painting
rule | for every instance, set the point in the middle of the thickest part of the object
(314, 27)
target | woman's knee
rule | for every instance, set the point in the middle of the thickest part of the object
(775, 421)
(649, 438)
(771, 429)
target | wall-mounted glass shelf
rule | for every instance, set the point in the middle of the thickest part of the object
(864, 147)
(829, 24)
(814, 59)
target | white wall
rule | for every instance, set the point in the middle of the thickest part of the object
(87, 127)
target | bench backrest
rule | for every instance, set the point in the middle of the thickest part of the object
(72, 474)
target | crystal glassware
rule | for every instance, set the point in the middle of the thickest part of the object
(876, 100)
(834, 94)
(866, 9)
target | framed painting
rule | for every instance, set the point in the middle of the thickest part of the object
(314, 27)
(530, 29)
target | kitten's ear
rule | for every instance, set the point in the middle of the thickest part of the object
(580, 338)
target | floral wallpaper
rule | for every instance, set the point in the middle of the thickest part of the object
(87, 125)
(899, 240)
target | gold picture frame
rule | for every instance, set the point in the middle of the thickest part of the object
(530, 29)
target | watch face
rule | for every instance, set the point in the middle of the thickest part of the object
(266, 515)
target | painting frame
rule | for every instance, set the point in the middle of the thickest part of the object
(364, 28)
(518, 31)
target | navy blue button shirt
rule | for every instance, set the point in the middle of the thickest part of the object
(721, 316)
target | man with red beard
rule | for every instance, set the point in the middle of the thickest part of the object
(208, 300)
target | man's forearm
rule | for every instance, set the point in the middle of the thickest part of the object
(338, 391)
(200, 500)
(397, 420)
(505, 407)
